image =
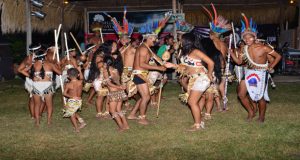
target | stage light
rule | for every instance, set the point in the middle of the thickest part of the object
(37, 3)
(38, 14)
(292, 1)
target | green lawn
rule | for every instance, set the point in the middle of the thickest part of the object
(227, 136)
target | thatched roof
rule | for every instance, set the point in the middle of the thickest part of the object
(13, 17)
(260, 14)
(263, 12)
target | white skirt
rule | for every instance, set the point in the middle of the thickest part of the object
(201, 83)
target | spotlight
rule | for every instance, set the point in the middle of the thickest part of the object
(37, 3)
(66, 2)
(38, 14)
(292, 1)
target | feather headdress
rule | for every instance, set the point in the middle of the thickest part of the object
(218, 23)
(154, 28)
(127, 28)
(183, 27)
(248, 27)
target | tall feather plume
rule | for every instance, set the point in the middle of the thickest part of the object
(243, 26)
(125, 22)
(116, 25)
(208, 12)
(215, 13)
(246, 20)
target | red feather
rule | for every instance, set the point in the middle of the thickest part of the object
(215, 12)
(117, 24)
(246, 20)
(209, 13)
(125, 25)
(163, 22)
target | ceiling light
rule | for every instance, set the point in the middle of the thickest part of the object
(38, 14)
(37, 3)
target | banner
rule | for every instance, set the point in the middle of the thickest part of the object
(135, 18)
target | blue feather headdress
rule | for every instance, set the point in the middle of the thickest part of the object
(154, 28)
(127, 28)
(183, 27)
(218, 24)
(248, 28)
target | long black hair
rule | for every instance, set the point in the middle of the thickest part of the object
(189, 43)
(94, 70)
(40, 55)
(112, 62)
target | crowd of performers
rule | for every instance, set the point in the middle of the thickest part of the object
(129, 69)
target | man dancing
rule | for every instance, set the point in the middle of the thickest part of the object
(141, 68)
(218, 26)
(255, 55)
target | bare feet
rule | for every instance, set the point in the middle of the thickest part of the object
(260, 120)
(82, 125)
(196, 127)
(120, 130)
(143, 121)
(207, 116)
(132, 117)
(76, 130)
(90, 102)
(128, 106)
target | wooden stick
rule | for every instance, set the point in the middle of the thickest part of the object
(67, 48)
(101, 35)
(237, 55)
(76, 42)
(227, 72)
(159, 97)
(56, 35)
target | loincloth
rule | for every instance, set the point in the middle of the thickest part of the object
(71, 107)
(126, 75)
(42, 88)
(257, 84)
(28, 85)
(117, 96)
(99, 87)
(213, 89)
(141, 77)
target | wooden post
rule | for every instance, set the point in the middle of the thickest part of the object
(298, 28)
(85, 26)
(28, 26)
(62, 39)
(174, 2)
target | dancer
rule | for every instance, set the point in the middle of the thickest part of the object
(69, 61)
(116, 96)
(97, 77)
(73, 91)
(23, 68)
(164, 52)
(255, 55)
(218, 26)
(141, 68)
(127, 51)
(41, 72)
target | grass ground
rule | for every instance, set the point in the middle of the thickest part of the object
(227, 136)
